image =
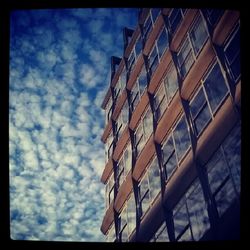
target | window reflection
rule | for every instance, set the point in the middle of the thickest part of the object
(181, 138)
(232, 54)
(190, 215)
(200, 111)
(223, 171)
(215, 86)
(150, 186)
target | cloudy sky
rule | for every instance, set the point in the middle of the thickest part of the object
(59, 72)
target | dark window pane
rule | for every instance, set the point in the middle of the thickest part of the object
(232, 150)
(185, 58)
(197, 103)
(154, 179)
(153, 60)
(167, 149)
(214, 15)
(175, 18)
(186, 236)
(162, 42)
(142, 80)
(200, 112)
(171, 82)
(217, 171)
(198, 35)
(162, 234)
(215, 87)
(225, 197)
(180, 218)
(197, 211)
(220, 183)
(138, 47)
(131, 214)
(145, 202)
(181, 138)
(232, 53)
(147, 27)
(170, 165)
(155, 13)
(202, 120)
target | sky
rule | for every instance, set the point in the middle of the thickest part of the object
(59, 74)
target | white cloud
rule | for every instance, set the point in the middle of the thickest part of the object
(55, 126)
(88, 76)
(95, 26)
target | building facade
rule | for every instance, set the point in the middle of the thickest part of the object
(173, 129)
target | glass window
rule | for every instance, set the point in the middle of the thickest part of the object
(220, 183)
(181, 222)
(181, 138)
(150, 186)
(169, 157)
(143, 131)
(215, 87)
(138, 47)
(197, 211)
(142, 80)
(192, 45)
(232, 151)
(154, 179)
(171, 82)
(175, 18)
(198, 35)
(111, 236)
(109, 146)
(161, 234)
(185, 57)
(214, 16)
(122, 79)
(191, 219)
(160, 102)
(155, 13)
(135, 95)
(144, 194)
(200, 112)
(232, 54)
(162, 42)
(131, 61)
(131, 213)
(153, 60)
(124, 165)
(125, 113)
(128, 158)
(108, 110)
(123, 228)
(148, 124)
(109, 190)
(147, 27)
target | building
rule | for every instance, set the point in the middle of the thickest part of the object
(173, 129)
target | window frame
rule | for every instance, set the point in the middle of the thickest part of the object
(143, 138)
(178, 25)
(109, 190)
(189, 41)
(227, 43)
(136, 91)
(148, 192)
(157, 58)
(134, 55)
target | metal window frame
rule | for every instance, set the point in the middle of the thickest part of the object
(199, 19)
(171, 68)
(236, 29)
(206, 103)
(188, 129)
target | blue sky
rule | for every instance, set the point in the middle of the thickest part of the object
(59, 72)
